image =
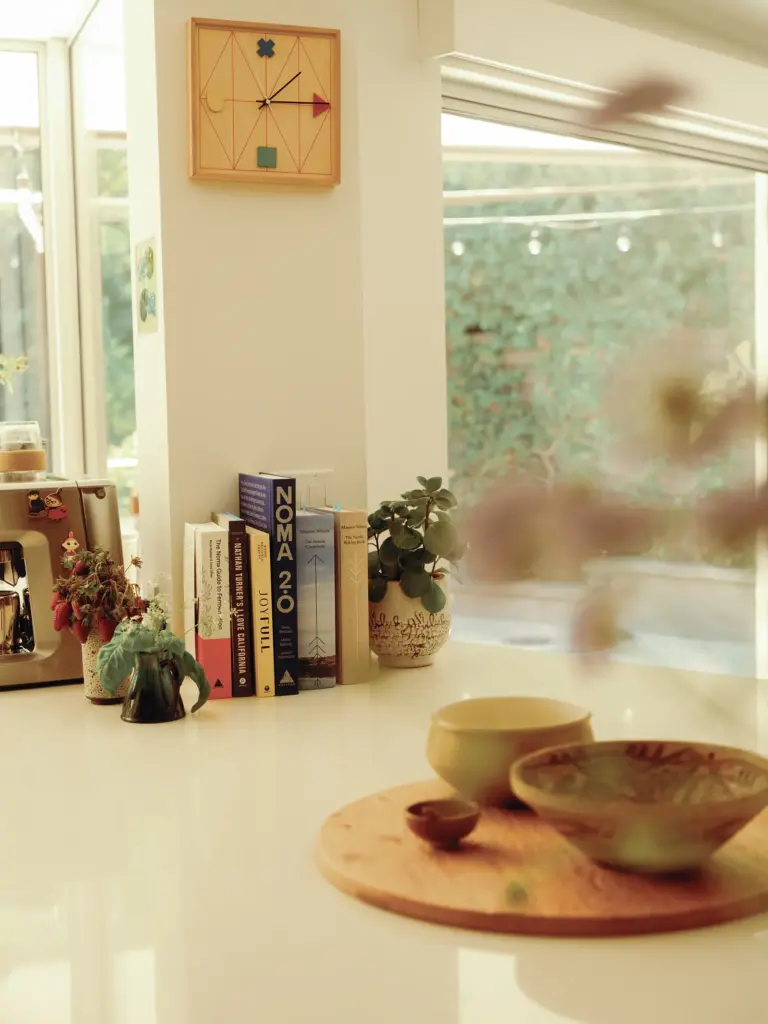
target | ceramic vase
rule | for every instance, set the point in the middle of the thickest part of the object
(94, 691)
(403, 634)
(153, 691)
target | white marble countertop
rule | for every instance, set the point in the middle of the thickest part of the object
(165, 874)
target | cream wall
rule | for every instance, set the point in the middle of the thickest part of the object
(298, 329)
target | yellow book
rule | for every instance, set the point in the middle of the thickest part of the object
(353, 655)
(261, 608)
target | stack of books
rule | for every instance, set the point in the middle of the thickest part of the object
(276, 598)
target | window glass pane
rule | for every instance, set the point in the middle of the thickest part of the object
(23, 347)
(104, 254)
(117, 334)
(575, 272)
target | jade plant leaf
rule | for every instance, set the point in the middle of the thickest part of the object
(377, 589)
(388, 552)
(445, 499)
(414, 559)
(415, 582)
(434, 484)
(405, 537)
(434, 599)
(377, 522)
(441, 538)
(458, 553)
(192, 668)
(422, 480)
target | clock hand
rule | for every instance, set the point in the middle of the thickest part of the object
(269, 99)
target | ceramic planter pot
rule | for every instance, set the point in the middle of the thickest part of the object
(403, 633)
(153, 691)
(94, 691)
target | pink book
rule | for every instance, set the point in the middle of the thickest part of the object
(213, 639)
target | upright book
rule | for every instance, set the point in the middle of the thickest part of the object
(243, 682)
(214, 650)
(315, 568)
(353, 654)
(268, 502)
(261, 612)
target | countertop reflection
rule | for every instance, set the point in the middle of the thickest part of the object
(165, 874)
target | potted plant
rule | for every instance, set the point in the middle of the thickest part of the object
(412, 543)
(91, 601)
(157, 662)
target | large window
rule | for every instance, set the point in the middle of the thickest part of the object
(23, 338)
(104, 254)
(572, 266)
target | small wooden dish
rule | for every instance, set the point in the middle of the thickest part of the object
(443, 823)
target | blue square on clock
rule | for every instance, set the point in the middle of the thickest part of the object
(266, 156)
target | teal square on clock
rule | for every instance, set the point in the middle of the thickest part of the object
(266, 156)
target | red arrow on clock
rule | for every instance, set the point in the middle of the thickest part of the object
(319, 105)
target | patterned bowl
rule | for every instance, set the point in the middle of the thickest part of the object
(646, 806)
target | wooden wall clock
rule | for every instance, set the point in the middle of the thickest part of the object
(264, 103)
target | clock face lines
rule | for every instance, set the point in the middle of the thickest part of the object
(266, 103)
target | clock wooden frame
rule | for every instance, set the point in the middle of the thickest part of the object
(226, 92)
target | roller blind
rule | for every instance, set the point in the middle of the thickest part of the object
(512, 96)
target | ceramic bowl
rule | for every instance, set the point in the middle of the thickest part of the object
(473, 744)
(442, 822)
(646, 806)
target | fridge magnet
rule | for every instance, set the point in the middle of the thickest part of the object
(37, 507)
(146, 287)
(71, 544)
(55, 507)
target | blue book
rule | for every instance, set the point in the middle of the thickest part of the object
(268, 503)
(315, 566)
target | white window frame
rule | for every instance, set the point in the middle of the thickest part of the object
(493, 92)
(66, 452)
(93, 211)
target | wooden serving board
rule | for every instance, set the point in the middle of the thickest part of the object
(514, 873)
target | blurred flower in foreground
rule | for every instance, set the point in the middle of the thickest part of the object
(595, 626)
(667, 399)
(647, 95)
(525, 529)
(731, 520)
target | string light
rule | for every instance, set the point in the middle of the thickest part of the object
(717, 239)
(534, 244)
(458, 248)
(624, 242)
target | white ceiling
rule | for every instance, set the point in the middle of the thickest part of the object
(736, 26)
(714, 12)
(41, 19)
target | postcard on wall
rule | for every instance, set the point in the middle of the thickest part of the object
(146, 287)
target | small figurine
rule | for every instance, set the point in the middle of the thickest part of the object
(56, 508)
(36, 505)
(71, 544)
